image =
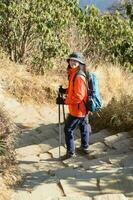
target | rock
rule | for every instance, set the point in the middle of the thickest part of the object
(121, 159)
(75, 198)
(75, 162)
(26, 138)
(21, 195)
(45, 132)
(93, 164)
(45, 156)
(79, 187)
(46, 145)
(34, 179)
(99, 137)
(49, 165)
(111, 140)
(28, 159)
(48, 189)
(64, 173)
(117, 184)
(55, 152)
(99, 146)
(28, 151)
(70, 172)
(97, 150)
(110, 197)
(123, 145)
(27, 167)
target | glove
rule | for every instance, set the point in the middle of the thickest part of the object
(62, 90)
(60, 100)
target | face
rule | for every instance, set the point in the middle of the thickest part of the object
(73, 63)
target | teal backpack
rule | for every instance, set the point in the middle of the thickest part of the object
(94, 102)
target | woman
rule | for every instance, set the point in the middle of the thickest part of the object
(76, 96)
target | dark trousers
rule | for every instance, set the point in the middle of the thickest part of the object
(71, 124)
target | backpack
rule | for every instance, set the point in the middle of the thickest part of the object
(94, 102)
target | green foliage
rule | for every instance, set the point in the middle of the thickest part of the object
(38, 32)
(108, 36)
(34, 30)
(129, 12)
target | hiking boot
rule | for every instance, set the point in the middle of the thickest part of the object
(83, 150)
(68, 155)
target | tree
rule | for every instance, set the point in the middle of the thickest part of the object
(108, 36)
(34, 30)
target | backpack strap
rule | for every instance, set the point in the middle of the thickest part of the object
(78, 72)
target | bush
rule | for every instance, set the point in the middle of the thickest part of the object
(117, 115)
(7, 130)
(8, 168)
(108, 36)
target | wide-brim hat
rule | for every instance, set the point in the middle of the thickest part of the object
(76, 56)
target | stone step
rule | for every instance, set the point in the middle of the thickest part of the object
(117, 184)
(113, 139)
(116, 160)
(46, 190)
(21, 195)
(112, 184)
(99, 136)
(80, 187)
(99, 197)
(76, 161)
(110, 197)
(46, 132)
(123, 160)
(124, 145)
(97, 149)
(72, 198)
(70, 172)
(35, 179)
(55, 152)
(48, 144)
(49, 165)
(26, 137)
(28, 151)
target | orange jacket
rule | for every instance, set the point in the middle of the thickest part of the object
(76, 94)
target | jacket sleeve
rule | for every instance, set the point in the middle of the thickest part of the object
(79, 91)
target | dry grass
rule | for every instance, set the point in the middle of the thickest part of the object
(117, 92)
(117, 115)
(8, 130)
(26, 86)
(114, 82)
(116, 88)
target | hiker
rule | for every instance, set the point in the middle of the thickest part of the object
(75, 98)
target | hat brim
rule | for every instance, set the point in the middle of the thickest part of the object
(73, 58)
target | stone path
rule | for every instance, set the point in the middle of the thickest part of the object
(104, 174)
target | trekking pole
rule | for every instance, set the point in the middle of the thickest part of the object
(63, 113)
(59, 115)
(64, 118)
(63, 108)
